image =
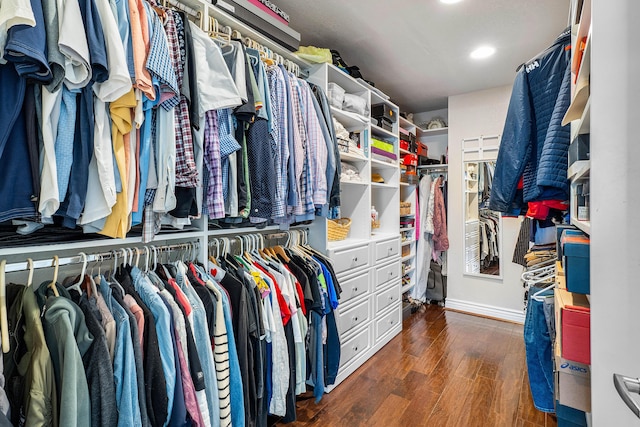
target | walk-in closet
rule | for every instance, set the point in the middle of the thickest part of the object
(283, 212)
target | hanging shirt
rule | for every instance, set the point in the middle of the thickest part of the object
(118, 83)
(72, 42)
(140, 45)
(11, 14)
(117, 224)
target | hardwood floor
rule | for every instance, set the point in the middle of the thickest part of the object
(444, 369)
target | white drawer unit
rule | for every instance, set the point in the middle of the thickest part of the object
(351, 317)
(387, 273)
(349, 259)
(386, 298)
(387, 249)
(353, 287)
(388, 322)
(354, 347)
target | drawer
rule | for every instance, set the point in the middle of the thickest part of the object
(352, 288)
(356, 346)
(388, 322)
(387, 249)
(349, 259)
(385, 298)
(352, 317)
(387, 273)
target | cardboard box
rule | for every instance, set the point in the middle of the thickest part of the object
(573, 384)
(573, 318)
(560, 278)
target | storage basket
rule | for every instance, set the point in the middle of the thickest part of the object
(405, 208)
(337, 229)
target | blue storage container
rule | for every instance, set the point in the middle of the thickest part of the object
(569, 417)
(575, 249)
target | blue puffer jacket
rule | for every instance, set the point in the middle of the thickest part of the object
(534, 143)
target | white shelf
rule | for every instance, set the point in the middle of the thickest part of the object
(406, 288)
(354, 183)
(407, 229)
(583, 30)
(380, 131)
(585, 226)
(383, 185)
(410, 270)
(584, 123)
(406, 184)
(407, 258)
(408, 242)
(352, 157)
(403, 151)
(382, 163)
(579, 169)
(348, 119)
(437, 166)
(406, 124)
(432, 132)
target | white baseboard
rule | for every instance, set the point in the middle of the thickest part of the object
(486, 310)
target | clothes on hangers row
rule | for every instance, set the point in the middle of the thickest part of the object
(116, 114)
(177, 345)
(489, 224)
(431, 231)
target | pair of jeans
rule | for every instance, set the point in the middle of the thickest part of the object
(538, 348)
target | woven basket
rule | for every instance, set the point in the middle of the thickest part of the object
(337, 229)
(405, 211)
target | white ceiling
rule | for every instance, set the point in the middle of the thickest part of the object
(417, 51)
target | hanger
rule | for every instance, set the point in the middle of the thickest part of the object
(4, 322)
(78, 286)
(52, 285)
(137, 257)
(538, 297)
(30, 267)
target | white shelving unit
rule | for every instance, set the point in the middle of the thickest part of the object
(368, 261)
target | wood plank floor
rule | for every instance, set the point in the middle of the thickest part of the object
(444, 369)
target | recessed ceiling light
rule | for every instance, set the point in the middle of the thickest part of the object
(483, 52)
(450, 1)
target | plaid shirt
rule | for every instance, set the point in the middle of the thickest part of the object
(280, 136)
(304, 205)
(186, 169)
(214, 199)
(159, 63)
(316, 147)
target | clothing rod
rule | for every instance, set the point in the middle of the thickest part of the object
(78, 259)
(183, 7)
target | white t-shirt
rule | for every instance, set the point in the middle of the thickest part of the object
(14, 12)
(72, 42)
(119, 81)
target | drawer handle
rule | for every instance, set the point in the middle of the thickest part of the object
(391, 249)
(355, 289)
(391, 322)
(355, 259)
(355, 319)
(355, 348)
(391, 297)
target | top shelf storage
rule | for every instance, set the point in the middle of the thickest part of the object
(432, 132)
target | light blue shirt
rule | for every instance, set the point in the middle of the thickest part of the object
(162, 318)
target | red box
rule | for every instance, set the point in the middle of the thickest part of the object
(423, 150)
(576, 334)
(404, 145)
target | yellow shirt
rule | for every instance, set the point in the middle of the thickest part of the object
(118, 222)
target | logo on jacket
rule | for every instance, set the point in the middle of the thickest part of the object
(530, 67)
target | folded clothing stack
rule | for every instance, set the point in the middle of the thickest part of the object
(349, 173)
(344, 138)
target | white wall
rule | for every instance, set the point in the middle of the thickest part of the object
(437, 144)
(615, 202)
(472, 115)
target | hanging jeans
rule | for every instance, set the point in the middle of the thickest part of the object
(538, 348)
